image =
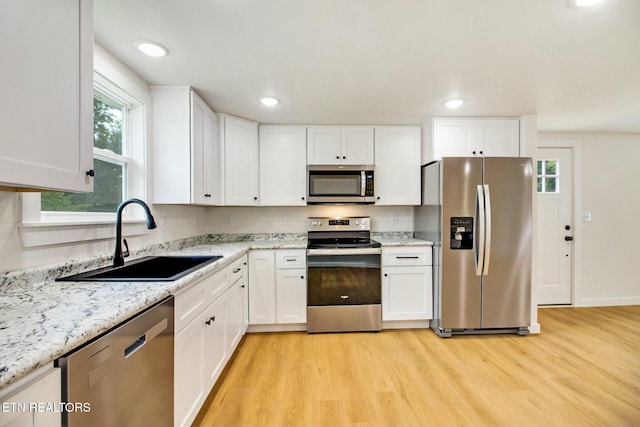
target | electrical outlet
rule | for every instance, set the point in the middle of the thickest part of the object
(586, 216)
(287, 219)
(395, 218)
(227, 220)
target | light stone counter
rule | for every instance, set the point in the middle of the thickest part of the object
(40, 319)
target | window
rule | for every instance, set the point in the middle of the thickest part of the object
(548, 176)
(110, 141)
(119, 158)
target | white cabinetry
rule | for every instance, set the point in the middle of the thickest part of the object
(277, 286)
(209, 323)
(40, 388)
(407, 283)
(46, 87)
(262, 287)
(291, 286)
(283, 172)
(340, 145)
(397, 165)
(239, 140)
(186, 150)
(445, 137)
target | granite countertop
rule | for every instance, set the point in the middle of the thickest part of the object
(41, 320)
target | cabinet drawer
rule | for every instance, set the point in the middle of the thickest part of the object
(295, 258)
(406, 255)
(236, 270)
(217, 284)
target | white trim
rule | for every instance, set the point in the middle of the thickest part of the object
(607, 301)
(38, 234)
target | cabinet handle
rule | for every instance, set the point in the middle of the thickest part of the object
(290, 260)
(211, 319)
(91, 173)
(407, 257)
(236, 270)
(242, 286)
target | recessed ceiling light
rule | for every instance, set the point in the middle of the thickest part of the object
(454, 103)
(151, 49)
(269, 101)
(586, 3)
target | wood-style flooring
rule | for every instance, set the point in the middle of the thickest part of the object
(582, 370)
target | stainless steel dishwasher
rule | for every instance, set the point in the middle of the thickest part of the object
(125, 377)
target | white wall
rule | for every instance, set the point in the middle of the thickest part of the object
(239, 220)
(607, 265)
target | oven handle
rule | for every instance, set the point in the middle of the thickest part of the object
(344, 251)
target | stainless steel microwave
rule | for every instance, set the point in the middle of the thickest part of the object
(340, 184)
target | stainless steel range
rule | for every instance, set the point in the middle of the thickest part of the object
(343, 269)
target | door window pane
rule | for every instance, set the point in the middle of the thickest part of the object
(548, 176)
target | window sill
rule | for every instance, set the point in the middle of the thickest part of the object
(34, 234)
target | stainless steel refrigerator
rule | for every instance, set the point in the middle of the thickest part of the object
(477, 211)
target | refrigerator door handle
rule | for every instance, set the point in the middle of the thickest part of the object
(487, 248)
(480, 231)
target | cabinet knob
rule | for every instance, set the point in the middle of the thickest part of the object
(207, 195)
(211, 319)
(481, 153)
(378, 198)
(302, 197)
(255, 198)
(474, 153)
(302, 277)
(338, 157)
(344, 157)
(386, 275)
(91, 173)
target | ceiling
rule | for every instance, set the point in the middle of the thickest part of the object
(391, 62)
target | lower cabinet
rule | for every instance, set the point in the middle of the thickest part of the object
(277, 286)
(407, 283)
(209, 325)
(25, 404)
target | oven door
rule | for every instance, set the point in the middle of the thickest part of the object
(343, 276)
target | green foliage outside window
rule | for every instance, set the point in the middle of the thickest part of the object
(109, 173)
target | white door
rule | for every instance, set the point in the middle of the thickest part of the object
(555, 225)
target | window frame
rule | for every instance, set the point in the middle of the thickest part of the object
(544, 175)
(40, 228)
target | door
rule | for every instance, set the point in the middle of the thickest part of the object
(555, 225)
(506, 285)
(461, 287)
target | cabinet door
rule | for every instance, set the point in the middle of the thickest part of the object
(235, 322)
(204, 153)
(323, 145)
(46, 106)
(283, 172)
(45, 389)
(499, 138)
(262, 287)
(189, 373)
(397, 174)
(241, 162)
(356, 145)
(454, 138)
(291, 296)
(214, 320)
(406, 293)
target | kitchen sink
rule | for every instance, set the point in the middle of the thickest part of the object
(164, 268)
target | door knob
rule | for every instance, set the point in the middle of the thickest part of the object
(568, 238)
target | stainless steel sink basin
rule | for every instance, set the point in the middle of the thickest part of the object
(164, 268)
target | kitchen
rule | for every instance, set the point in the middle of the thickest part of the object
(605, 161)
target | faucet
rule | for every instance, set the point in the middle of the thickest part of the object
(118, 258)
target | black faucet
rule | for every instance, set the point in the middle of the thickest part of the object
(118, 258)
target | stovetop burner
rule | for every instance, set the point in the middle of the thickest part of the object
(340, 232)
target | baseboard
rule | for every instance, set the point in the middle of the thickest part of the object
(606, 302)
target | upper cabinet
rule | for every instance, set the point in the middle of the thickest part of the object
(397, 165)
(340, 145)
(283, 172)
(239, 140)
(46, 106)
(186, 154)
(445, 137)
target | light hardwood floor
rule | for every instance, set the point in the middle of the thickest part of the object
(582, 370)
